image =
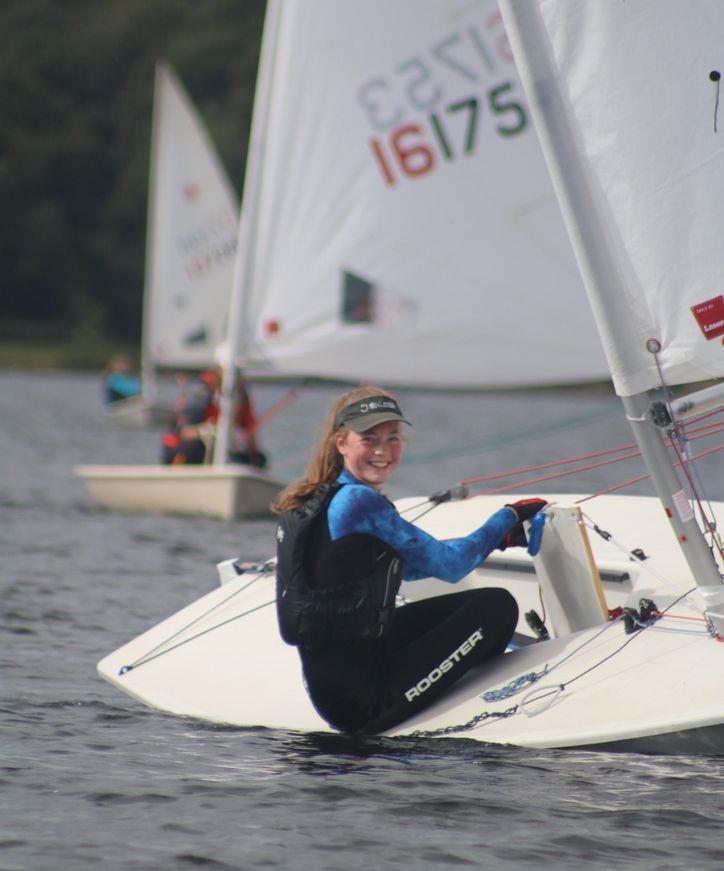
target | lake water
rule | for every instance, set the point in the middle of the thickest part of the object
(92, 779)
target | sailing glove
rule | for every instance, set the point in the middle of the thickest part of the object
(515, 538)
(527, 508)
(524, 509)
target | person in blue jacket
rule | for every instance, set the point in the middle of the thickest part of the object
(119, 382)
(342, 550)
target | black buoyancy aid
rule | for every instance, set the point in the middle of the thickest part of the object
(348, 609)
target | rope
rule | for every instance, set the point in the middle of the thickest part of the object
(156, 651)
(679, 617)
(504, 692)
(510, 439)
(537, 467)
(684, 464)
(613, 488)
(707, 429)
(143, 660)
(514, 687)
(715, 535)
(290, 396)
(713, 430)
(673, 629)
(562, 474)
(416, 506)
(630, 481)
(643, 626)
(640, 561)
(717, 410)
(423, 513)
(625, 644)
(538, 694)
(680, 442)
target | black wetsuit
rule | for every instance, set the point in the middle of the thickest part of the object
(369, 685)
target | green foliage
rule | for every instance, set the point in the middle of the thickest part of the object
(76, 87)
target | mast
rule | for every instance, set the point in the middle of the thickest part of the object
(602, 278)
(236, 348)
(649, 432)
(148, 369)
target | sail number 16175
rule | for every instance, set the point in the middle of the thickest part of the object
(413, 149)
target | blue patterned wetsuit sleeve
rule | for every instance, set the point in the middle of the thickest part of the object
(356, 508)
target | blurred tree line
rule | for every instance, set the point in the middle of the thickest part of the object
(76, 89)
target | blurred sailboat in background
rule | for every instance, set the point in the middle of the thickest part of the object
(190, 245)
(192, 236)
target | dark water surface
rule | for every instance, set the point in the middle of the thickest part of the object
(92, 779)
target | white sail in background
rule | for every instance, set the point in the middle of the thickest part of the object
(404, 228)
(193, 217)
(639, 79)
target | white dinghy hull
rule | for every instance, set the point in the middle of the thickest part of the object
(226, 492)
(659, 688)
(648, 696)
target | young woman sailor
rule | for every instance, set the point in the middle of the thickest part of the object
(342, 551)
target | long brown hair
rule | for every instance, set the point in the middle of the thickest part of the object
(326, 462)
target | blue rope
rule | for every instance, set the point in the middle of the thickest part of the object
(515, 686)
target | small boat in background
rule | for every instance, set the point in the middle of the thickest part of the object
(192, 229)
(227, 492)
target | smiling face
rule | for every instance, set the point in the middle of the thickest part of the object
(373, 455)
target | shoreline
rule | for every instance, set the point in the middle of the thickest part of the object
(70, 356)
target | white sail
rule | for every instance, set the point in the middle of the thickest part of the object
(405, 229)
(193, 216)
(641, 80)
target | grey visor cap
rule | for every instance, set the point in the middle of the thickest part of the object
(368, 412)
